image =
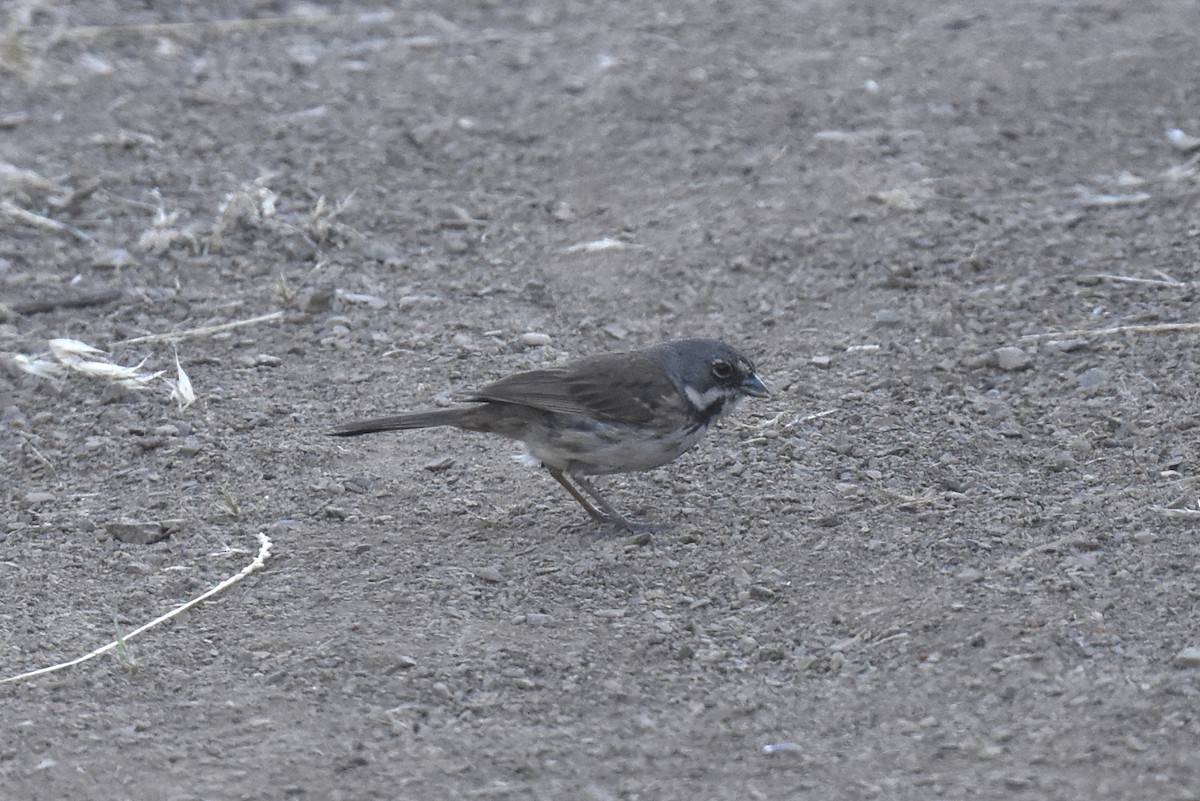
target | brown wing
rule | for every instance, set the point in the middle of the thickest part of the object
(618, 387)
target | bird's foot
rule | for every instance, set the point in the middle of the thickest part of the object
(618, 523)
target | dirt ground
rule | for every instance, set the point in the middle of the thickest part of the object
(954, 555)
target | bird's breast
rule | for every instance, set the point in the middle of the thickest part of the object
(592, 447)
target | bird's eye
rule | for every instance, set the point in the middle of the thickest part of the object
(722, 368)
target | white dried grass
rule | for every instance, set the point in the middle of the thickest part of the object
(249, 206)
(37, 366)
(1158, 328)
(181, 387)
(323, 222)
(162, 235)
(904, 198)
(1183, 141)
(204, 330)
(15, 212)
(70, 348)
(83, 358)
(18, 180)
(75, 356)
(599, 245)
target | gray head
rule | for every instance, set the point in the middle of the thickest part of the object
(712, 375)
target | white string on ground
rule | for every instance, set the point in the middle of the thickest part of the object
(264, 551)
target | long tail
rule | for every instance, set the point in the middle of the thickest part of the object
(399, 422)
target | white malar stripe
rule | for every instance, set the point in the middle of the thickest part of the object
(699, 401)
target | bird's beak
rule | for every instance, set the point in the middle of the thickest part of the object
(753, 386)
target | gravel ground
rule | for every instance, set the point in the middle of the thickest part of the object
(953, 556)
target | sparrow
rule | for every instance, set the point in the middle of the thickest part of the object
(609, 413)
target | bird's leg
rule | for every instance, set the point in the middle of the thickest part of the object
(592, 511)
(613, 515)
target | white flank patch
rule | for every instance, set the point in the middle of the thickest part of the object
(527, 459)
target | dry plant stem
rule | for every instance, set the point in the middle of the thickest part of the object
(264, 552)
(227, 25)
(42, 457)
(1186, 514)
(808, 418)
(45, 223)
(203, 331)
(1062, 543)
(1162, 328)
(78, 300)
(1130, 279)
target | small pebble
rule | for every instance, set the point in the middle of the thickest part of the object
(1062, 346)
(1188, 658)
(1011, 359)
(314, 300)
(438, 465)
(770, 653)
(969, 575)
(1182, 141)
(360, 485)
(116, 258)
(422, 42)
(616, 331)
(137, 532)
(888, 317)
(561, 211)
(490, 573)
(534, 339)
(383, 252)
(1092, 378)
(191, 446)
(952, 484)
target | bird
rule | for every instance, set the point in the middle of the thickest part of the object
(616, 412)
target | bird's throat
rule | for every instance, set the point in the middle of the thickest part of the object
(711, 404)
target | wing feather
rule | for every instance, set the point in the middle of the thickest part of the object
(617, 387)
